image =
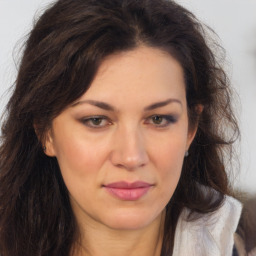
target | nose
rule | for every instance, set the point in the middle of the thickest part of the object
(129, 149)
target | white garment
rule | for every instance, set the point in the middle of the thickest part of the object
(211, 234)
(252, 252)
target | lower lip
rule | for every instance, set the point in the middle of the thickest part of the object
(128, 194)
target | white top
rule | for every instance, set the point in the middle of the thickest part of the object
(211, 234)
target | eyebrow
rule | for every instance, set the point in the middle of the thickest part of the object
(108, 107)
(162, 104)
(96, 103)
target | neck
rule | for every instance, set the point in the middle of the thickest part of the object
(144, 242)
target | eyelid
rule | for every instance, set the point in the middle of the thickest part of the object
(85, 121)
(169, 119)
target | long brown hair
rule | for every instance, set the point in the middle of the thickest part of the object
(60, 60)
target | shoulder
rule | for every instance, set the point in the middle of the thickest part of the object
(211, 234)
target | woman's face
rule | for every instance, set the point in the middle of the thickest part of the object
(120, 147)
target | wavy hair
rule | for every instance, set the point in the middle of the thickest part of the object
(61, 57)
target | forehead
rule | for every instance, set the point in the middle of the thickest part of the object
(139, 74)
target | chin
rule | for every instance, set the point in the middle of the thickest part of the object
(130, 220)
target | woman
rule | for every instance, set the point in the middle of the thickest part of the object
(113, 142)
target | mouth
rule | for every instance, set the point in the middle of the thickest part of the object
(128, 191)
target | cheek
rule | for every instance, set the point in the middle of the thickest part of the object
(75, 152)
(170, 153)
(79, 166)
(168, 159)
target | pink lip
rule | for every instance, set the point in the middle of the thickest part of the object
(128, 191)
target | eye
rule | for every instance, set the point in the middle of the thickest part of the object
(161, 120)
(157, 119)
(96, 121)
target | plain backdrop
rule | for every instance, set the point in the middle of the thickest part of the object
(233, 20)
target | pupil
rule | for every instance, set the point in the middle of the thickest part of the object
(96, 121)
(158, 119)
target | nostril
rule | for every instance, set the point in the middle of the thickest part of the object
(129, 151)
(125, 161)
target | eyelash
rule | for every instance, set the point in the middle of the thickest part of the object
(88, 121)
(168, 119)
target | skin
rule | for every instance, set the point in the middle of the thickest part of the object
(129, 139)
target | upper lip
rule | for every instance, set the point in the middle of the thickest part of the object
(128, 185)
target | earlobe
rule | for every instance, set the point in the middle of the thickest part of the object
(191, 136)
(46, 141)
(199, 109)
(48, 145)
(192, 131)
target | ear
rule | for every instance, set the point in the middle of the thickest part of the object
(192, 130)
(46, 141)
(48, 144)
